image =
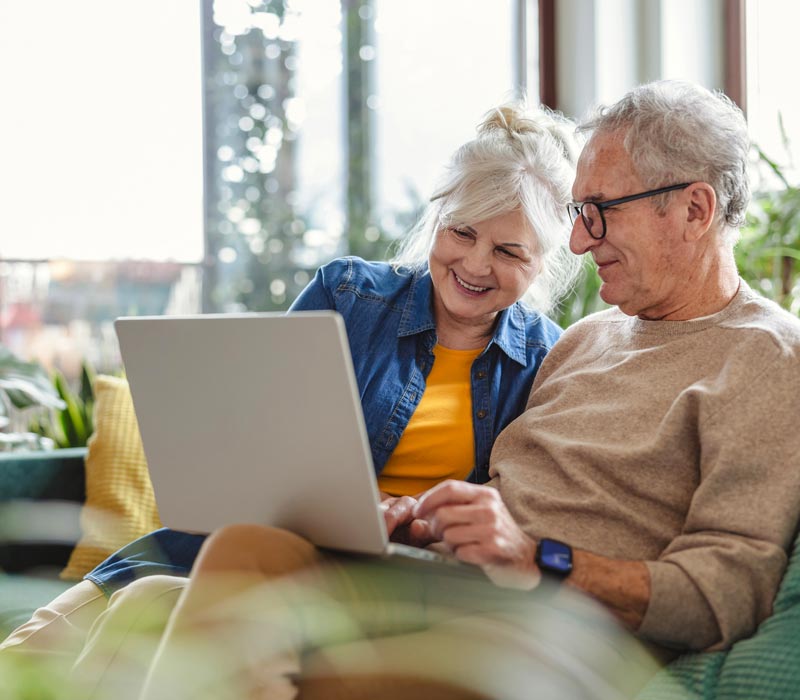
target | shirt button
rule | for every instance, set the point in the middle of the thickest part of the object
(481, 414)
(481, 375)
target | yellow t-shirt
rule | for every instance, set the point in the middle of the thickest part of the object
(438, 442)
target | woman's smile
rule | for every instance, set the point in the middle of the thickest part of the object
(470, 289)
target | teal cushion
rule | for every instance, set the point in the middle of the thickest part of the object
(789, 592)
(765, 666)
(689, 677)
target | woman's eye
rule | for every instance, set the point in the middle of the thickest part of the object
(506, 253)
(461, 233)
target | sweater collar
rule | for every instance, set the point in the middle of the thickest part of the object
(742, 296)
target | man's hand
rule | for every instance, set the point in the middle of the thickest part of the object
(401, 524)
(475, 524)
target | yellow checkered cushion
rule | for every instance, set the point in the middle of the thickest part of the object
(120, 505)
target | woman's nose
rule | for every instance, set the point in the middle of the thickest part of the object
(477, 261)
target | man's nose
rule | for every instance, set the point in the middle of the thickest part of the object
(580, 241)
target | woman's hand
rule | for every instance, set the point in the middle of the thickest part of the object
(475, 524)
(401, 524)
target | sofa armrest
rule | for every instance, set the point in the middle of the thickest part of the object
(57, 474)
(40, 498)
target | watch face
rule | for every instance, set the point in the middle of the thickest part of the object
(555, 556)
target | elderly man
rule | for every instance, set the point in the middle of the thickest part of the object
(660, 441)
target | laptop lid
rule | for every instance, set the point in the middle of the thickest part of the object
(254, 418)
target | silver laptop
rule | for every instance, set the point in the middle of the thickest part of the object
(256, 418)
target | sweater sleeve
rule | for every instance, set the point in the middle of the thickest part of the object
(716, 581)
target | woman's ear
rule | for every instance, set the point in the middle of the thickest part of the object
(701, 207)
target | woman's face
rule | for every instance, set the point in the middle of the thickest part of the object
(482, 268)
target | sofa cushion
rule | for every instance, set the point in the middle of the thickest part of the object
(789, 592)
(765, 666)
(768, 664)
(120, 505)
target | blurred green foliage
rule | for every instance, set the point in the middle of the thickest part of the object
(768, 254)
(72, 424)
(41, 411)
(25, 389)
(23, 385)
(583, 299)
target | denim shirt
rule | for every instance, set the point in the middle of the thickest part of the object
(392, 333)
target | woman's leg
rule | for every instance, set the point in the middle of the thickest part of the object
(122, 642)
(56, 632)
(231, 635)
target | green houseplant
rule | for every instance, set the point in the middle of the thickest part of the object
(768, 253)
(39, 411)
(24, 387)
(72, 424)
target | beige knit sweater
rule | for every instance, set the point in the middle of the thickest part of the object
(672, 442)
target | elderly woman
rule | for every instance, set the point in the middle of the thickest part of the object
(446, 340)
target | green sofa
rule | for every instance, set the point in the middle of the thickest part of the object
(40, 498)
(763, 667)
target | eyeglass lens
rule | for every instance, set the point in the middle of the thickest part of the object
(592, 219)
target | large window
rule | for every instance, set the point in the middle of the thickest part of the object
(773, 105)
(185, 156)
(101, 172)
(101, 140)
(434, 79)
(329, 122)
(209, 155)
(605, 47)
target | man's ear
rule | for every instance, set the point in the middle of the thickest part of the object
(702, 205)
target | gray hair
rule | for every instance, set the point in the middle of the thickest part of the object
(676, 131)
(521, 159)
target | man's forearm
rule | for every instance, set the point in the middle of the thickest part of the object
(622, 586)
(474, 522)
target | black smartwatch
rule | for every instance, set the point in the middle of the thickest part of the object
(554, 558)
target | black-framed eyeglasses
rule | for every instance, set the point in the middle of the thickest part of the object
(592, 212)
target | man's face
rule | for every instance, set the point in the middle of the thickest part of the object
(642, 260)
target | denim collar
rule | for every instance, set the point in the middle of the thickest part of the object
(509, 332)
